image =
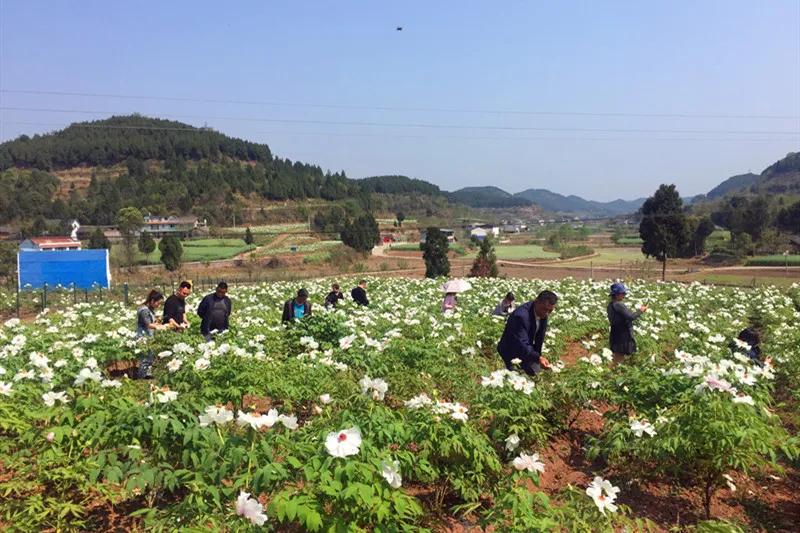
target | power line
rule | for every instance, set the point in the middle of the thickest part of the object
(415, 125)
(403, 109)
(397, 136)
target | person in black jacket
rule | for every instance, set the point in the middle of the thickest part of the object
(175, 308)
(359, 293)
(333, 297)
(621, 320)
(215, 311)
(524, 333)
(297, 307)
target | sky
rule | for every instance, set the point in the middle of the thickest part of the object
(603, 99)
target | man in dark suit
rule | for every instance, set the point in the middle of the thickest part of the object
(359, 293)
(524, 334)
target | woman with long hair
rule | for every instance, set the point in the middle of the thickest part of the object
(146, 324)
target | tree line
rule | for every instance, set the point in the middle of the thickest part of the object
(165, 167)
(668, 231)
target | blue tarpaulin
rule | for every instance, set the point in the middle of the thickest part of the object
(86, 269)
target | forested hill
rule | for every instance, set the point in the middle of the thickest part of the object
(734, 183)
(90, 170)
(398, 185)
(114, 140)
(492, 197)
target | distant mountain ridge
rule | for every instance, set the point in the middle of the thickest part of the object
(572, 204)
(487, 197)
(494, 197)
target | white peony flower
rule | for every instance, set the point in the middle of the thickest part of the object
(640, 427)
(325, 399)
(215, 415)
(250, 509)
(391, 473)
(343, 443)
(166, 396)
(603, 493)
(530, 463)
(51, 397)
(512, 442)
(174, 365)
(377, 386)
(346, 342)
(743, 398)
(418, 401)
(5, 388)
(257, 420)
(459, 412)
(202, 364)
(24, 374)
(288, 421)
(87, 374)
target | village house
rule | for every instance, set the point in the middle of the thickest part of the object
(181, 227)
(46, 244)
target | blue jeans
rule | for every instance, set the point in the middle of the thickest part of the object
(145, 365)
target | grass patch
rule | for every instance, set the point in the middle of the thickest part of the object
(298, 227)
(525, 251)
(629, 241)
(405, 246)
(613, 256)
(197, 250)
(774, 260)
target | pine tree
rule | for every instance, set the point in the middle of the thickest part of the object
(248, 236)
(146, 244)
(129, 221)
(663, 227)
(485, 265)
(171, 252)
(98, 240)
(362, 234)
(435, 254)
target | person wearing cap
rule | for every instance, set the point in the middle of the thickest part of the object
(621, 320)
(215, 311)
(524, 333)
(297, 307)
(506, 305)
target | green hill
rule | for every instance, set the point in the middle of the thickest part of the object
(732, 184)
(398, 185)
(487, 197)
(159, 166)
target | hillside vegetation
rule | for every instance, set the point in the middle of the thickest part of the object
(90, 170)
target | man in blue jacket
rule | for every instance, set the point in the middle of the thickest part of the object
(524, 334)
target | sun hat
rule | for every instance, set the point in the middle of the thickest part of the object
(618, 288)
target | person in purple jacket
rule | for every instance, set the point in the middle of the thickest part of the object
(524, 333)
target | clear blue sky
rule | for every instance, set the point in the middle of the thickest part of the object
(622, 57)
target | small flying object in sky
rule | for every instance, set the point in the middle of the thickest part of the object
(399, 28)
